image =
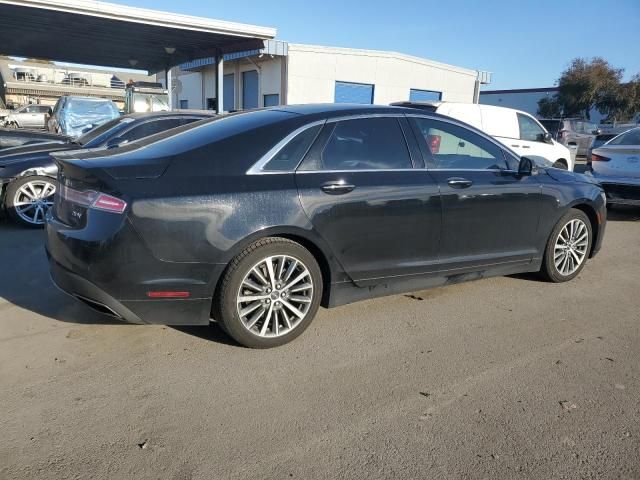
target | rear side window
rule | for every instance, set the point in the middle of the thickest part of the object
(631, 137)
(366, 144)
(529, 129)
(288, 158)
(456, 148)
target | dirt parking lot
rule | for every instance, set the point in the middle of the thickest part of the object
(502, 378)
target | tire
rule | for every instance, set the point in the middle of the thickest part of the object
(561, 164)
(11, 125)
(276, 307)
(24, 192)
(566, 256)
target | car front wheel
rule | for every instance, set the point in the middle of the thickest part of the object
(269, 293)
(568, 247)
(29, 199)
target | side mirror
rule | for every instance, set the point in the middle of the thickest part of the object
(597, 131)
(526, 167)
(547, 138)
(116, 142)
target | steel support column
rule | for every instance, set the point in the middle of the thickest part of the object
(219, 83)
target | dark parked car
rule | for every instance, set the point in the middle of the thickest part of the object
(572, 131)
(10, 138)
(28, 173)
(257, 218)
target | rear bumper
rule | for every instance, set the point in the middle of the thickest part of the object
(620, 190)
(163, 312)
(111, 270)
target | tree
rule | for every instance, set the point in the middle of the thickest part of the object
(549, 107)
(587, 84)
(622, 103)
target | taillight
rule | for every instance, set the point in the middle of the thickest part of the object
(93, 199)
(599, 158)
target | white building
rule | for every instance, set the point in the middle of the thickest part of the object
(283, 73)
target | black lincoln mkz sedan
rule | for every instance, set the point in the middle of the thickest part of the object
(255, 219)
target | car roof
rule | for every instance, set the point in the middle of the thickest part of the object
(337, 109)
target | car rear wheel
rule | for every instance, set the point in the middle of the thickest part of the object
(29, 199)
(568, 247)
(269, 294)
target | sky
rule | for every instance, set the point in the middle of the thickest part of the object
(525, 44)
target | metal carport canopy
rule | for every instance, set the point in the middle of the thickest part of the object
(98, 33)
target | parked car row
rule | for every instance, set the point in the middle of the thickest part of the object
(28, 173)
(256, 219)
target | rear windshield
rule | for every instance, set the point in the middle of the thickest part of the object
(552, 126)
(104, 128)
(632, 137)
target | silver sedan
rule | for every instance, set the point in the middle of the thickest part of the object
(616, 164)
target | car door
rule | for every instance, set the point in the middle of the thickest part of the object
(359, 188)
(489, 213)
(532, 141)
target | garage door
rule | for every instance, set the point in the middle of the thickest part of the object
(250, 89)
(424, 95)
(347, 92)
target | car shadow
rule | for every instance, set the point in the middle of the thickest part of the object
(212, 333)
(25, 280)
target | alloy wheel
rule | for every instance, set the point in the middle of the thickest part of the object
(571, 247)
(275, 296)
(33, 200)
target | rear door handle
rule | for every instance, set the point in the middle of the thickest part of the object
(337, 188)
(526, 146)
(458, 182)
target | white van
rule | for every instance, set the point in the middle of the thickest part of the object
(518, 130)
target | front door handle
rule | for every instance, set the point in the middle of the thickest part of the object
(515, 146)
(526, 146)
(337, 188)
(458, 182)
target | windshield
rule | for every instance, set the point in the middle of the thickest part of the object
(103, 129)
(632, 137)
(150, 102)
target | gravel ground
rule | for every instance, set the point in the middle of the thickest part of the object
(507, 378)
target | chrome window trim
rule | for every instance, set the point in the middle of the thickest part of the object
(367, 170)
(257, 168)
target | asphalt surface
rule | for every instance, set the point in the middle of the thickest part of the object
(507, 378)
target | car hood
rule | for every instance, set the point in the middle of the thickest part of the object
(570, 177)
(9, 156)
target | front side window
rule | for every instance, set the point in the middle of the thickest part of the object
(366, 144)
(453, 147)
(529, 129)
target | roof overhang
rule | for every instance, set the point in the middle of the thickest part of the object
(98, 33)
